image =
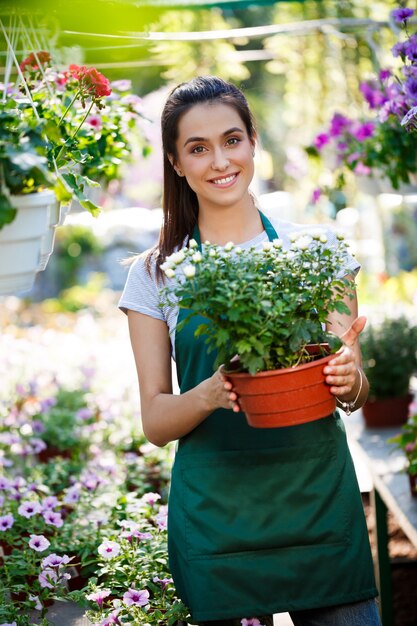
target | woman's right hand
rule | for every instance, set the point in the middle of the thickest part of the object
(221, 392)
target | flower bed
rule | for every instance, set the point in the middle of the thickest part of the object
(82, 494)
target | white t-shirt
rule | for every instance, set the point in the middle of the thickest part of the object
(141, 292)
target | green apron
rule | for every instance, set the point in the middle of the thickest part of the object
(262, 520)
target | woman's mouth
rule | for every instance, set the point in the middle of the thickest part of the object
(225, 181)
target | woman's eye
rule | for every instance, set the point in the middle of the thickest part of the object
(232, 141)
(197, 150)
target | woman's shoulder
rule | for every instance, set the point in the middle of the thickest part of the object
(285, 229)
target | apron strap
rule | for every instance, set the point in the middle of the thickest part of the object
(270, 230)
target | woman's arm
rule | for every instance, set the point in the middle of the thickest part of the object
(344, 373)
(165, 416)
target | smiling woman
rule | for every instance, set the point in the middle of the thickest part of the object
(257, 518)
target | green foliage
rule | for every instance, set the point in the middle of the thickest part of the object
(389, 353)
(406, 440)
(265, 306)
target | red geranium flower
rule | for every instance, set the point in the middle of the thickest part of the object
(32, 61)
(97, 85)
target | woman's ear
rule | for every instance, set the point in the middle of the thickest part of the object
(253, 142)
(174, 165)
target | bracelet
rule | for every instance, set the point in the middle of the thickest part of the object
(348, 407)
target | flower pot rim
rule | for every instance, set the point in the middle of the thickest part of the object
(283, 370)
(37, 198)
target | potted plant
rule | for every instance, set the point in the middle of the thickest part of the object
(377, 147)
(38, 157)
(389, 360)
(237, 292)
(406, 441)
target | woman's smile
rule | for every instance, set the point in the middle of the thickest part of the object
(225, 181)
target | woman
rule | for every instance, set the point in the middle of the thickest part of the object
(260, 521)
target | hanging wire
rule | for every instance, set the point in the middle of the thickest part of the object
(19, 71)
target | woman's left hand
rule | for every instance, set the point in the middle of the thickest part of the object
(341, 372)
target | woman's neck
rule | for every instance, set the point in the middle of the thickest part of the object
(235, 223)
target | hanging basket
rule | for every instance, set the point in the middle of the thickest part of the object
(284, 397)
(21, 241)
(47, 244)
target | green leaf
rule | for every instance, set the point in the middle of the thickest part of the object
(7, 211)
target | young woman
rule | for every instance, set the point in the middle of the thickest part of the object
(261, 521)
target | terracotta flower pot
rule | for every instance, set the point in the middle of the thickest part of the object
(386, 412)
(284, 397)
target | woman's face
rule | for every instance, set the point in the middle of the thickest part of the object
(215, 154)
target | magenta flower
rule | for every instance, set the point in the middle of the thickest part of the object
(109, 549)
(48, 579)
(53, 518)
(162, 518)
(365, 131)
(6, 522)
(111, 619)
(315, 197)
(321, 140)
(138, 598)
(162, 581)
(29, 509)
(98, 596)
(39, 543)
(250, 621)
(410, 447)
(338, 124)
(402, 14)
(362, 170)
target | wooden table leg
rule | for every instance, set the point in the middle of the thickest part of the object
(384, 578)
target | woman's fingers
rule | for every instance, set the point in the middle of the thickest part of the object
(351, 336)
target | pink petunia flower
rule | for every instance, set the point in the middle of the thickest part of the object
(98, 596)
(109, 549)
(136, 597)
(50, 502)
(39, 543)
(48, 578)
(29, 509)
(250, 621)
(6, 522)
(151, 498)
(53, 518)
(53, 560)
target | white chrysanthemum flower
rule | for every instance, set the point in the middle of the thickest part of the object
(197, 257)
(189, 271)
(293, 237)
(177, 257)
(303, 242)
(238, 250)
(169, 273)
(229, 246)
(277, 243)
(165, 266)
(316, 234)
(192, 243)
(340, 236)
(212, 252)
(267, 245)
(323, 238)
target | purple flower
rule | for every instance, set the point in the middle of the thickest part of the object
(410, 119)
(402, 14)
(85, 413)
(8, 624)
(50, 502)
(315, 197)
(39, 543)
(151, 498)
(372, 94)
(48, 578)
(37, 445)
(162, 518)
(4, 483)
(6, 522)
(138, 598)
(338, 124)
(121, 85)
(111, 619)
(29, 509)
(53, 518)
(411, 88)
(98, 596)
(72, 495)
(53, 560)
(399, 49)
(162, 581)
(411, 48)
(250, 621)
(109, 549)
(384, 75)
(364, 131)
(321, 140)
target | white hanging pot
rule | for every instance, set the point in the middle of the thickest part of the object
(64, 209)
(20, 241)
(47, 243)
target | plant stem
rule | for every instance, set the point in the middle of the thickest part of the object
(69, 106)
(78, 127)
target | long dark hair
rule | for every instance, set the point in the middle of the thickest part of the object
(179, 202)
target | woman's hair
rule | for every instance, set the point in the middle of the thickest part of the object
(179, 203)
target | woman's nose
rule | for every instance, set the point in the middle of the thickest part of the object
(220, 160)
